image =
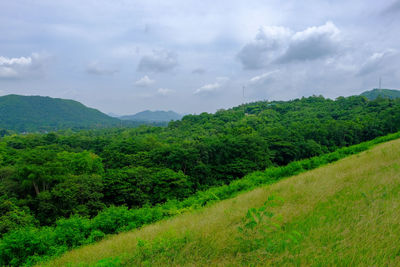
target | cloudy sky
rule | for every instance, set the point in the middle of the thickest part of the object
(192, 56)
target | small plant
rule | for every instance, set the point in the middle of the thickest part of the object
(108, 262)
(262, 229)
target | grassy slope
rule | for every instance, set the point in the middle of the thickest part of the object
(346, 212)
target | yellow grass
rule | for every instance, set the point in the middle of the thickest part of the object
(348, 213)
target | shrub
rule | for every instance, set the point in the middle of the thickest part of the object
(72, 232)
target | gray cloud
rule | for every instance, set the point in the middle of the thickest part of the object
(312, 43)
(269, 41)
(158, 61)
(392, 8)
(96, 68)
(199, 71)
(8, 73)
(206, 34)
(281, 45)
(377, 62)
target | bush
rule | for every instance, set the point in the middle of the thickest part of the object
(111, 219)
(18, 247)
(72, 232)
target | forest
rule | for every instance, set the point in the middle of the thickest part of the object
(61, 181)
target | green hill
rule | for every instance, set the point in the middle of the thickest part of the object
(60, 191)
(153, 116)
(38, 113)
(342, 214)
(385, 93)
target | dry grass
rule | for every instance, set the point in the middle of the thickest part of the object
(348, 213)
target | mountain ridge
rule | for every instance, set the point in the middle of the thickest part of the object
(43, 113)
(385, 93)
(153, 116)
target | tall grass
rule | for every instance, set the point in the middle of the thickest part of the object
(345, 214)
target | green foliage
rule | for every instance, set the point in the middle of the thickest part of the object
(139, 186)
(27, 245)
(116, 219)
(384, 93)
(120, 179)
(73, 231)
(81, 163)
(78, 195)
(262, 229)
(36, 113)
(13, 217)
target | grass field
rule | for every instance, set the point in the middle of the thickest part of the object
(346, 213)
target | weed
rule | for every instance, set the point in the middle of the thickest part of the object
(262, 229)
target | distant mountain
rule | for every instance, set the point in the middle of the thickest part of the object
(113, 115)
(38, 113)
(153, 116)
(386, 93)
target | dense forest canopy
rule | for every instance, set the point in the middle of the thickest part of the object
(62, 179)
(384, 93)
(48, 176)
(25, 114)
(37, 113)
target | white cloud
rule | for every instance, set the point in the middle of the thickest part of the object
(97, 69)
(23, 61)
(9, 66)
(262, 77)
(158, 61)
(145, 81)
(208, 88)
(20, 67)
(211, 87)
(274, 45)
(164, 91)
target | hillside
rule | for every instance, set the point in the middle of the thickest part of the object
(385, 93)
(59, 191)
(345, 214)
(153, 116)
(37, 113)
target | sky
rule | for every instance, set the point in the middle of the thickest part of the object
(124, 56)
